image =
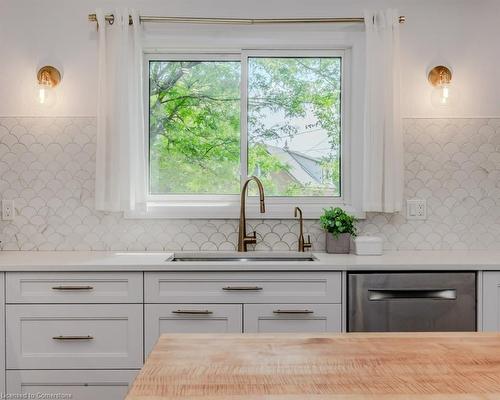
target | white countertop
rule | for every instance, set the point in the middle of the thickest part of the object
(157, 261)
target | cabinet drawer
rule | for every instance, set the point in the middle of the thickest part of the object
(292, 318)
(190, 318)
(74, 287)
(74, 336)
(74, 385)
(243, 287)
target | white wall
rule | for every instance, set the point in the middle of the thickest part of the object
(459, 33)
(47, 164)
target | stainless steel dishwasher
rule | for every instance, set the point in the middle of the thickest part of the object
(411, 302)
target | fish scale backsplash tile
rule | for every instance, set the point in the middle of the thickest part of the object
(455, 165)
(47, 165)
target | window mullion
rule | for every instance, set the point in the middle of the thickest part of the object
(244, 118)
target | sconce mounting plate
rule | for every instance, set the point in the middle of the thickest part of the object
(439, 75)
(49, 74)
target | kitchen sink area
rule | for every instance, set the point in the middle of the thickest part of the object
(241, 257)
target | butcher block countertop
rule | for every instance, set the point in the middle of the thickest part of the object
(322, 366)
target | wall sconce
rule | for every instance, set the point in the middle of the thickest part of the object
(48, 78)
(443, 92)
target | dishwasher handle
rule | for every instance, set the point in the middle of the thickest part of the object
(411, 294)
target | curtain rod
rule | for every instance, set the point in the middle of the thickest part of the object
(241, 21)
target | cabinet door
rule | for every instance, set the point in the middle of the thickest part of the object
(190, 318)
(491, 301)
(74, 336)
(273, 318)
(74, 385)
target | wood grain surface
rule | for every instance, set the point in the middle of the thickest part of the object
(393, 366)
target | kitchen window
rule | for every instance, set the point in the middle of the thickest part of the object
(214, 119)
(194, 127)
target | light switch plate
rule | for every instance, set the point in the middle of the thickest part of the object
(8, 211)
(416, 209)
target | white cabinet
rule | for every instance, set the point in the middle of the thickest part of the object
(85, 334)
(491, 301)
(74, 336)
(190, 318)
(243, 287)
(74, 385)
(74, 287)
(269, 318)
(213, 302)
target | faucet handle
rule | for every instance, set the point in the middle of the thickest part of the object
(308, 244)
(251, 239)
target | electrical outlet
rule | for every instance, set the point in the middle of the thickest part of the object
(416, 209)
(8, 211)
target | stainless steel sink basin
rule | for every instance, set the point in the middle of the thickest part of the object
(241, 257)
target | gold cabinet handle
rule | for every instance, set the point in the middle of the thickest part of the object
(72, 288)
(293, 312)
(242, 288)
(204, 312)
(86, 337)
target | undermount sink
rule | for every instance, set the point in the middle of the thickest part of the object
(240, 257)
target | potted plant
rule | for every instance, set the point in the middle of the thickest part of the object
(339, 227)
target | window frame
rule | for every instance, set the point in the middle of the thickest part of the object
(193, 206)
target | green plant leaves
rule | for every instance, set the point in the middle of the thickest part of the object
(337, 221)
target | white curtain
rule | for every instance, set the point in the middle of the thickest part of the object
(120, 166)
(383, 136)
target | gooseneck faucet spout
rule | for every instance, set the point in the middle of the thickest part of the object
(302, 244)
(243, 238)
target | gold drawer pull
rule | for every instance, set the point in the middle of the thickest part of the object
(72, 288)
(293, 312)
(242, 288)
(87, 337)
(205, 312)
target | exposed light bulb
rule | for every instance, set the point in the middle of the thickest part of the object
(41, 95)
(443, 95)
(46, 95)
(48, 78)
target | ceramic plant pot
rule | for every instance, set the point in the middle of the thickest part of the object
(338, 245)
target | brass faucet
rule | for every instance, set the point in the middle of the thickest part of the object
(243, 238)
(302, 244)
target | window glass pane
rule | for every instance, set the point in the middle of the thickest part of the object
(294, 130)
(194, 127)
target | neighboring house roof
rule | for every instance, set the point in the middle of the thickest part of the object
(303, 168)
